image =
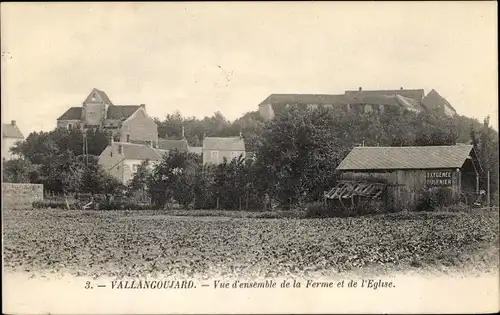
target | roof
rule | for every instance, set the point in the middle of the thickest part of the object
(169, 144)
(416, 94)
(433, 98)
(224, 143)
(426, 157)
(319, 99)
(132, 151)
(114, 112)
(11, 131)
(121, 111)
(73, 113)
(100, 94)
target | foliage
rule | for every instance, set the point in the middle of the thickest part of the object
(485, 141)
(39, 146)
(139, 181)
(434, 199)
(20, 171)
(296, 150)
(174, 177)
(55, 204)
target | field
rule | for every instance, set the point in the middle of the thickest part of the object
(138, 243)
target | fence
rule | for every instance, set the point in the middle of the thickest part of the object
(20, 196)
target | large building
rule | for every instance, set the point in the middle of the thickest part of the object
(10, 135)
(128, 123)
(413, 100)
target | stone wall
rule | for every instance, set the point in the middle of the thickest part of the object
(20, 196)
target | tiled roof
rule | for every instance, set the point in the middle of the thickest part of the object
(11, 131)
(374, 100)
(101, 94)
(319, 99)
(73, 113)
(433, 98)
(417, 94)
(169, 144)
(133, 151)
(121, 111)
(385, 158)
(224, 143)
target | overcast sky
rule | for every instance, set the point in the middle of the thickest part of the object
(205, 57)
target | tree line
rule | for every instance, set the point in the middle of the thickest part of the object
(296, 155)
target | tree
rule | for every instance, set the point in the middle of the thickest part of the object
(20, 171)
(139, 181)
(298, 155)
(174, 178)
(485, 142)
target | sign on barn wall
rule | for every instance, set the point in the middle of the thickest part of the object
(438, 178)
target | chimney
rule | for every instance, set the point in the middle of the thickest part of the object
(360, 89)
(143, 105)
(401, 88)
(13, 122)
(241, 136)
(183, 132)
(111, 141)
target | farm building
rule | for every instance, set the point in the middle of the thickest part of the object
(403, 174)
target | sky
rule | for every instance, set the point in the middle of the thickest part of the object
(200, 58)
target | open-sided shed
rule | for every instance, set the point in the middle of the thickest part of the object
(408, 171)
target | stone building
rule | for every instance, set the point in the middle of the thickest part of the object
(127, 123)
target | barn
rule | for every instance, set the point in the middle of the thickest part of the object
(403, 174)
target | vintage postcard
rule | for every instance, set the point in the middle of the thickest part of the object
(250, 157)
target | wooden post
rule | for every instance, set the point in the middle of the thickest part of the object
(477, 182)
(217, 203)
(488, 189)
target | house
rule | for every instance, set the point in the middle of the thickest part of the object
(408, 171)
(434, 101)
(122, 159)
(215, 149)
(363, 100)
(10, 135)
(128, 123)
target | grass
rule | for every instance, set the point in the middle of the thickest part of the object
(233, 243)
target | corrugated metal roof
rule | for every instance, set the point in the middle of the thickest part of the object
(11, 131)
(224, 143)
(428, 157)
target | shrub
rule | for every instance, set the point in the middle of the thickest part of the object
(432, 199)
(123, 205)
(54, 204)
(319, 210)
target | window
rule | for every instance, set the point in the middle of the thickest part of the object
(135, 167)
(214, 156)
(128, 138)
(70, 126)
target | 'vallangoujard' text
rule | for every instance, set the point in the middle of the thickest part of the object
(152, 284)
